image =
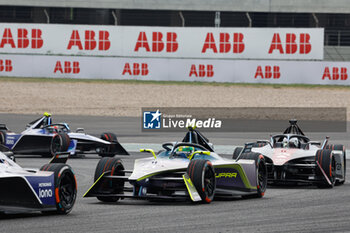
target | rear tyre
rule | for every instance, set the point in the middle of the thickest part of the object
(261, 171)
(115, 167)
(2, 137)
(109, 150)
(59, 143)
(327, 163)
(342, 148)
(236, 152)
(202, 174)
(65, 187)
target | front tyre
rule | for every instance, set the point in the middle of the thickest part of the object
(342, 148)
(327, 168)
(261, 176)
(202, 174)
(261, 173)
(65, 186)
(59, 143)
(115, 167)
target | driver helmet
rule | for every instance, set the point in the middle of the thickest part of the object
(285, 142)
(294, 142)
(184, 151)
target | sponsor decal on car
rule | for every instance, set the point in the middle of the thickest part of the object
(44, 193)
(11, 140)
(44, 188)
(226, 175)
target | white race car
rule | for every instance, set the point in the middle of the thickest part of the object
(46, 138)
(53, 188)
(292, 157)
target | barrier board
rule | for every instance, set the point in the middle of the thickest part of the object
(203, 70)
(162, 42)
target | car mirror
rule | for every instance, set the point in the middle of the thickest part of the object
(149, 151)
(79, 130)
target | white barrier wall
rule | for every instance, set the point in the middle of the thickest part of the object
(244, 55)
(204, 70)
(169, 42)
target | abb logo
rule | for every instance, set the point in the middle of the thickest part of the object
(225, 44)
(291, 46)
(202, 71)
(90, 42)
(270, 72)
(337, 73)
(6, 65)
(67, 67)
(24, 40)
(137, 69)
(158, 45)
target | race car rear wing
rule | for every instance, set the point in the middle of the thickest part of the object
(119, 149)
(60, 157)
(246, 149)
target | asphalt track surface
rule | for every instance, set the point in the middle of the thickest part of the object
(282, 209)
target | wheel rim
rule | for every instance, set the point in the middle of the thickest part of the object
(332, 178)
(262, 181)
(67, 190)
(209, 181)
(56, 144)
(118, 185)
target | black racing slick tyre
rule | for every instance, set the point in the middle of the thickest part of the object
(59, 143)
(2, 137)
(236, 152)
(65, 186)
(114, 166)
(3, 148)
(326, 168)
(342, 148)
(108, 151)
(261, 171)
(202, 174)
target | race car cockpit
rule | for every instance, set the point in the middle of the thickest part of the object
(45, 122)
(184, 150)
(290, 141)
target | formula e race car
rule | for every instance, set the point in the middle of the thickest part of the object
(187, 170)
(52, 189)
(45, 138)
(292, 158)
